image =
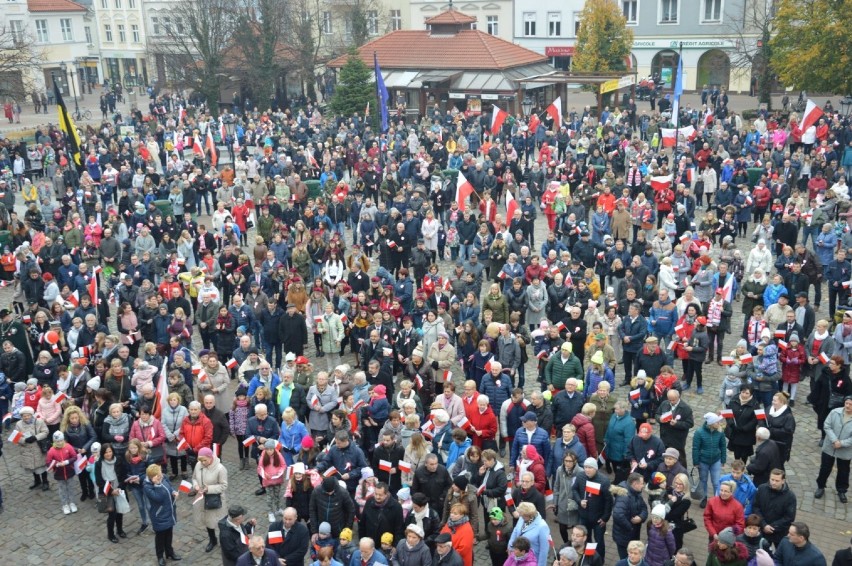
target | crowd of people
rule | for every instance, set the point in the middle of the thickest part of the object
(418, 437)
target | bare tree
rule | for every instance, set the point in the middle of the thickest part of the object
(753, 28)
(20, 58)
(305, 39)
(194, 45)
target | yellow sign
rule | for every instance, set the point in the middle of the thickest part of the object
(609, 86)
(616, 84)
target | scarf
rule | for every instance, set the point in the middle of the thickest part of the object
(108, 470)
(714, 313)
(455, 524)
(820, 335)
(780, 411)
(419, 516)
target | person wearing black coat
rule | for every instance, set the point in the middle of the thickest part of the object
(595, 508)
(221, 426)
(331, 503)
(115, 520)
(529, 494)
(843, 557)
(781, 424)
(674, 432)
(742, 427)
(80, 434)
(775, 503)
(293, 331)
(389, 451)
(296, 537)
(767, 457)
(231, 529)
(431, 520)
(269, 558)
(432, 480)
(382, 514)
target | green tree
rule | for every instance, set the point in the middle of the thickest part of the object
(355, 87)
(810, 49)
(604, 40)
(259, 43)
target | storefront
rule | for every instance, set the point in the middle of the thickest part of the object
(705, 62)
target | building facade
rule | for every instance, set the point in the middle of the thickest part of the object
(494, 17)
(548, 27)
(122, 35)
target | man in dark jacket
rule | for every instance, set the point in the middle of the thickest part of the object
(775, 503)
(592, 494)
(258, 554)
(221, 426)
(270, 334)
(650, 358)
(391, 452)
(767, 457)
(631, 333)
(382, 514)
(629, 512)
(431, 519)
(445, 554)
(678, 421)
(432, 480)
(296, 537)
(330, 503)
(231, 531)
(566, 404)
(293, 331)
(346, 458)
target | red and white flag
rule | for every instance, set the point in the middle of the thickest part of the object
(232, 364)
(548, 495)
(80, 464)
(760, 414)
(183, 444)
(509, 500)
(746, 359)
(385, 466)
(464, 423)
(593, 488)
(780, 333)
(660, 183)
(726, 414)
(275, 537)
(498, 116)
(555, 112)
(591, 549)
(329, 472)
(107, 488)
(487, 366)
(60, 397)
(185, 486)
(481, 489)
(404, 467)
(16, 437)
(727, 361)
(244, 538)
(824, 358)
(463, 190)
(811, 115)
(448, 376)
(635, 394)
(782, 344)
(249, 441)
(511, 206)
(666, 417)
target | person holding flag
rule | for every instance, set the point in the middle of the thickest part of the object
(161, 499)
(592, 494)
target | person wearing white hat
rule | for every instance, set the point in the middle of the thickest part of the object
(661, 541)
(32, 431)
(709, 452)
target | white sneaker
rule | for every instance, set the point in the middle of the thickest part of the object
(271, 517)
(66, 509)
(73, 508)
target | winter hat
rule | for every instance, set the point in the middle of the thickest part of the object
(96, 447)
(387, 538)
(590, 463)
(461, 482)
(645, 427)
(418, 351)
(58, 436)
(205, 453)
(380, 390)
(403, 494)
(742, 343)
(711, 418)
(27, 411)
(641, 374)
(94, 384)
(598, 358)
(20, 386)
(324, 528)
(307, 443)
(763, 558)
(242, 389)
(496, 513)
(269, 444)
(367, 473)
(329, 485)
(416, 529)
(794, 337)
(658, 479)
(659, 510)
(671, 453)
(346, 534)
(298, 468)
(32, 381)
(727, 537)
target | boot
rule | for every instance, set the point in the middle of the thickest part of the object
(211, 535)
(36, 481)
(45, 485)
(243, 464)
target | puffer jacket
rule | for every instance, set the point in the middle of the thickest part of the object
(113, 429)
(497, 394)
(419, 555)
(628, 503)
(586, 434)
(661, 546)
(618, 434)
(557, 372)
(709, 446)
(161, 504)
(336, 509)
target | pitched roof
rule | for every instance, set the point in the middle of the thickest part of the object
(54, 6)
(467, 49)
(451, 17)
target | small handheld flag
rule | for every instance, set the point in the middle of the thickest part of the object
(16, 437)
(593, 488)
(760, 414)
(185, 487)
(666, 417)
(275, 537)
(726, 414)
(182, 444)
(404, 467)
(509, 500)
(249, 441)
(329, 472)
(635, 394)
(591, 549)
(385, 466)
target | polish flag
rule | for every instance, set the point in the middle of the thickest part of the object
(107, 488)
(746, 359)
(498, 116)
(181, 114)
(448, 376)
(244, 538)
(593, 488)
(16, 437)
(93, 291)
(196, 369)
(727, 361)
(275, 537)
(249, 441)
(726, 414)
(669, 136)
(509, 500)
(183, 444)
(487, 366)
(635, 394)
(511, 206)
(666, 417)
(591, 549)
(358, 405)
(824, 358)
(760, 414)
(541, 355)
(217, 450)
(782, 344)
(427, 426)
(196, 146)
(6, 418)
(560, 326)
(418, 381)
(555, 112)
(811, 115)
(385, 466)
(502, 275)
(463, 190)
(232, 364)
(185, 487)
(480, 490)
(392, 244)
(847, 284)
(74, 299)
(661, 182)
(404, 467)
(315, 401)
(548, 495)
(329, 472)
(780, 333)
(80, 465)
(464, 423)
(60, 397)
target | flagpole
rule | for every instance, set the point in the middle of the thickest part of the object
(379, 116)
(677, 123)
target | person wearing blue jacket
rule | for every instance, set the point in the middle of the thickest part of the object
(826, 243)
(709, 452)
(629, 512)
(746, 490)
(458, 447)
(531, 433)
(619, 432)
(498, 390)
(631, 333)
(161, 497)
(346, 458)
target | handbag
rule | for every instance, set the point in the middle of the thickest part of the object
(695, 491)
(212, 501)
(44, 444)
(106, 504)
(687, 525)
(835, 400)
(121, 504)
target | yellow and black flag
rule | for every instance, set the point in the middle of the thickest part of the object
(66, 124)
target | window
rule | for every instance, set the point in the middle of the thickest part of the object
(712, 11)
(372, 22)
(395, 20)
(135, 30)
(167, 26)
(131, 4)
(631, 10)
(155, 26)
(118, 4)
(529, 23)
(16, 27)
(179, 26)
(577, 19)
(122, 35)
(554, 24)
(104, 4)
(65, 26)
(492, 25)
(326, 23)
(108, 32)
(41, 31)
(88, 31)
(668, 11)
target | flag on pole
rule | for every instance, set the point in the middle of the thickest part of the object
(728, 289)
(163, 388)
(463, 190)
(593, 488)
(385, 466)
(211, 147)
(381, 93)
(635, 394)
(555, 112)
(746, 359)
(678, 90)
(824, 358)
(811, 115)
(498, 116)
(183, 444)
(727, 361)
(249, 441)
(329, 472)
(107, 488)
(404, 467)
(16, 437)
(185, 486)
(511, 206)
(509, 500)
(760, 414)
(66, 124)
(661, 182)
(666, 417)
(726, 414)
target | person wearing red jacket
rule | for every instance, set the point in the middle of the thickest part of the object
(483, 424)
(532, 462)
(61, 458)
(723, 511)
(664, 199)
(197, 429)
(586, 430)
(762, 196)
(469, 396)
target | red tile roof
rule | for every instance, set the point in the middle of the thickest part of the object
(54, 6)
(451, 17)
(465, 50)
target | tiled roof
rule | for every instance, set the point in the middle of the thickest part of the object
(466, 50)
(54, 6)
(451, 17)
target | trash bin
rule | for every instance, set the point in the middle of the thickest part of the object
(5, 238)
(754, 174)
(314, 188)
(165, 207)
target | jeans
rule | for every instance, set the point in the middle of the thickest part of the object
(66, 491)
(139, 496)
(465, 250)
(596, 534)
(765, 397)
(272, 351)
(715, 470)
(812, 231)
(198, 198)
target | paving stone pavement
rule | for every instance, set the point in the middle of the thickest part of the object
(38, 516)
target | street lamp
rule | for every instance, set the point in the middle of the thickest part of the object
(846, 105)
(527, 105)
(64, 69)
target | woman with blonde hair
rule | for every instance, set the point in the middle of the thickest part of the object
(172, 418)
(415, 454)
(80, 435)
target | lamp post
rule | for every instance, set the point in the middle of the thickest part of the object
(846, 106)
(64, 69)
(526, 105)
